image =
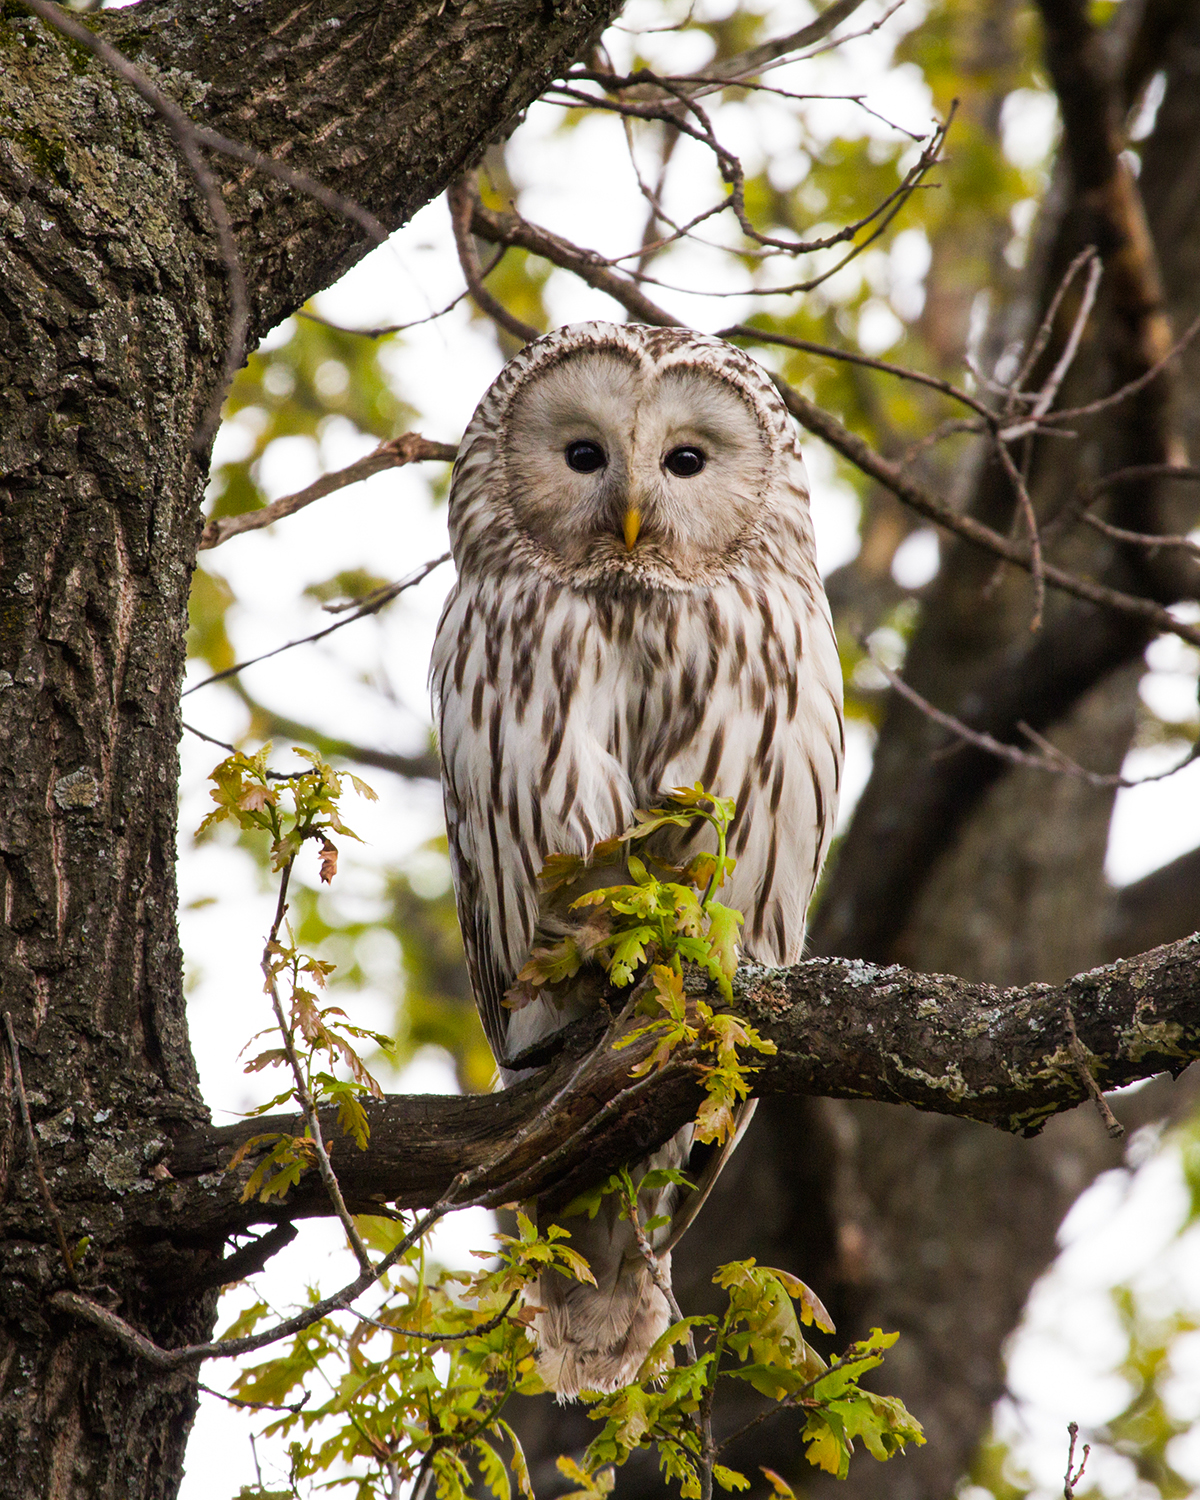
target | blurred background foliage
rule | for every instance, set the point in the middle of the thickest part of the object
(1137, 1449)
(916, 296)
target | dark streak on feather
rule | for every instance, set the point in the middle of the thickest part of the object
(712, 761)
(768, 880)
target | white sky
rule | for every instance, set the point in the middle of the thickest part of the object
(1061, 1361)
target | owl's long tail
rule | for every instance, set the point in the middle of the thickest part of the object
(596, 1338)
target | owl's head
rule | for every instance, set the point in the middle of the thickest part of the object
(625, 454)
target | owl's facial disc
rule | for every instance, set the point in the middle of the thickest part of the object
(616, 469)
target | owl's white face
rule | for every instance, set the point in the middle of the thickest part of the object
(614, 468)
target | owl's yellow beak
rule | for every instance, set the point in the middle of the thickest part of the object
(633, 524)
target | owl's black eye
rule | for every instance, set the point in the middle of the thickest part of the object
(585, 457)
(684, 462)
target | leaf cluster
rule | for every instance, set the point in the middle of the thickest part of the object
(645, 932)
(292, 810)
(758, 1338)
(420, 1387)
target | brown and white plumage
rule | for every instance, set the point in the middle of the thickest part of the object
(586, 662)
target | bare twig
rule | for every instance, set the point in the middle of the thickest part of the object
(1051, 758)
(850, 36)
(171, 1359)
(224, 745)
(1037, 565)
(732, 173)
(1140, 538)
(801, 1397)
(667, 29)
(829, 351)
(421, 766)
(410, 448)
(1045, 397)
(779, 49)
(390, 328)
(1088, 494)
(1042, 400)
(1070, 1480)
(511, 229)
(595, 270)
(1132, 387)
(293, 1409)
(371, 605)
(738, 70)
(1136, 472)
(650, 246)
(440, 1338)
(1015, 391)
(951, 427)
(653, 197)
(463, 197)
(35, 1155)
(308, 1108)
(1114, 1127)
(893, 477)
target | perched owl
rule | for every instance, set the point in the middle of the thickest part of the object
(637, 608)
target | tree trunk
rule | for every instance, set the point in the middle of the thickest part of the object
(113, 308)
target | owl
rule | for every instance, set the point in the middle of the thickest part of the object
(637, 608)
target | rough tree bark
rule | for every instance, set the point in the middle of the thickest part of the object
(112, 315)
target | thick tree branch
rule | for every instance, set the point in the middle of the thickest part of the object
(383, 103)
(843, 1029)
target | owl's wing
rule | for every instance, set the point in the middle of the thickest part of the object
(489, 976)
(523, 722)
